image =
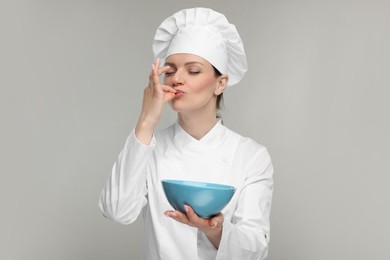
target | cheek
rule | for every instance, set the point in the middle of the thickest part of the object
(205, 85)
(166, 81)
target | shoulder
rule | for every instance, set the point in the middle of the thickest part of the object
(250, 153)
(255, 159)
(246, 144)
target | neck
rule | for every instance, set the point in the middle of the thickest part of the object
(197, 125)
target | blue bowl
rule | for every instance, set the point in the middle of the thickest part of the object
(207, 199)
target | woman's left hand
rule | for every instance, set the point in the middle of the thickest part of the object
(212, 227)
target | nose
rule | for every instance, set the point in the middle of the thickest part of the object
(178, 78)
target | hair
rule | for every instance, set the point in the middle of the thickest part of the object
(220, 96)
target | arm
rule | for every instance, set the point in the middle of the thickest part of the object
(155, 98)
(123, 197)
(246, 235)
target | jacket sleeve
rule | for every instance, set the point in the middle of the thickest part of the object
(124, 194)
(247, 234)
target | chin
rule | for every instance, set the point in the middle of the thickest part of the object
(188, 106)
(178, 108)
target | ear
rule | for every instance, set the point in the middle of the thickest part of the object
(221, 84)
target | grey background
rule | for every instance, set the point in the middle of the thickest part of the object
(316, 94)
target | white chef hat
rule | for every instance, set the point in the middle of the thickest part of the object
(206, 33)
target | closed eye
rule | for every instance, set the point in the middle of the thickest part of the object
(169, 73)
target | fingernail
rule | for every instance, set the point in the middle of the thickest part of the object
(186, 208)
(215, 225)
(169, 213)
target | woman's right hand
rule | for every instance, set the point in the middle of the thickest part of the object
(156, 95)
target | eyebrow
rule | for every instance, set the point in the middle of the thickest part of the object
(185, 64)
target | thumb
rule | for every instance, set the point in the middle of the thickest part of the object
(168, 96)
(216, 221)
(213, 224)
(169, 93)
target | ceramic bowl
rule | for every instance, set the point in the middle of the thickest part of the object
(207, 199)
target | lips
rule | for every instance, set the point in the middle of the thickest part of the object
(179, 93)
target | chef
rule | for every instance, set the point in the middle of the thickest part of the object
(199, 54)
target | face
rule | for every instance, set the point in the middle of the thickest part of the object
(195, 82)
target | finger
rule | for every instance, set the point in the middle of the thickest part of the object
(178, 216)
(193, 218)
(155, 78)
(170, 213)
(158, 61)
(213, 223)
(166, 88)
(151, 73)
(163, 70)
(169, 96)
(169, 93)
(216, 221)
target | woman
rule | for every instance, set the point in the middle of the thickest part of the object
(203, 55)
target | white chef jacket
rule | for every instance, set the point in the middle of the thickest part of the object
(221, 156)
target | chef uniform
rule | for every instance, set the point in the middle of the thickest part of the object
(221, 156)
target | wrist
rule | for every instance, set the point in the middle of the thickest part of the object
(144, 131)
(214, 235)
(146, 124)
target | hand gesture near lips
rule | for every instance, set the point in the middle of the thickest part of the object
(156, 95)
(211, 227)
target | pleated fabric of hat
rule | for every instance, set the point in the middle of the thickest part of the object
(206, 33)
